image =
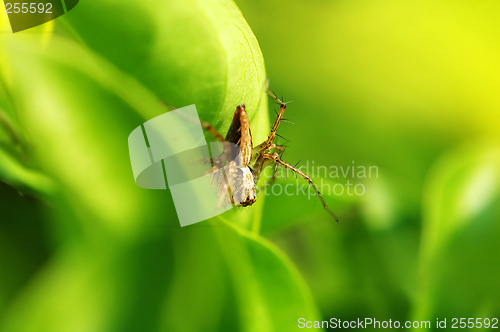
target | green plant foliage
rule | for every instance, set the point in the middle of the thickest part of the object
(408, 87)
(411, 88)
(460, 212)
(114, 257)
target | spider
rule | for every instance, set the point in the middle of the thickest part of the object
(244, 165)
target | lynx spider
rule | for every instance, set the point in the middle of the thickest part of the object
(243, 172)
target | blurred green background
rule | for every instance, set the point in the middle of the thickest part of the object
(409, 87)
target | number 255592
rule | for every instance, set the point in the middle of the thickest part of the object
(28, 8)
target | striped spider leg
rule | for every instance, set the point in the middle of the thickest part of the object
(266, 152)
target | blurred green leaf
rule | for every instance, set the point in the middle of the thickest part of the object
(122, 262)
(256, 268)
(190, 52)
(393, 84)
(458, 274)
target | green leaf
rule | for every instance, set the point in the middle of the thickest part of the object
(256, 268)
(190, 52)
(461, 233)
(121, 261)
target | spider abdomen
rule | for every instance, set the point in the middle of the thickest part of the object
(245, 192)
(238, 185)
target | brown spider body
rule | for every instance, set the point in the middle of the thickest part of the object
(238, 175)
(245, 163)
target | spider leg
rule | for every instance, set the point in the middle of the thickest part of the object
(276, 158)
(272, 135)
(273, 178)
(223, 187)
(205, 125)
(268, 145)
(280, 148)
(208, 127)
(261, 162)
